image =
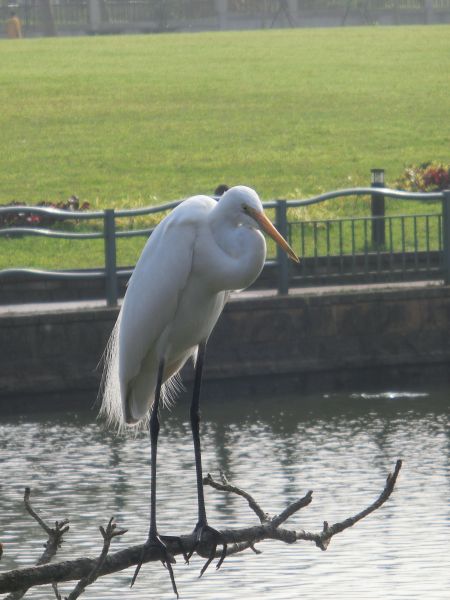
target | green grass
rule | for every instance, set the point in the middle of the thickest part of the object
(136, 120)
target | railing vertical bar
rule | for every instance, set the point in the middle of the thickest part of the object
(391, 246)
(366, 249)
(403, 247)
(290, 238)
(416, 247)
(380, 244)
(378, 209)
(315, 239)
(341, 259)
(282, 258)
(315, 262)
(427, 240)
(109, 232)
(328, 227)
(352, 222)
(446, 235)
(303, 246)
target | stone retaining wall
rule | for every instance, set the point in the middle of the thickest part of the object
(327, 340)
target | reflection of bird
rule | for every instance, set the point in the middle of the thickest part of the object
(178, 289)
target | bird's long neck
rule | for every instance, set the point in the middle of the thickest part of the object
(243, 251)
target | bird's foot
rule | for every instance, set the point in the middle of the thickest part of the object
(204, 534)
(158, 543)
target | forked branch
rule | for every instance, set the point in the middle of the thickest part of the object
(88, 570)
(108, 534)
(54, 541)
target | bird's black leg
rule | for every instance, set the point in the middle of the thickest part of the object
(203, 531)
(154, 540)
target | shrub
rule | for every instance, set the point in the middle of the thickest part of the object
(427, 177)
(27, 219)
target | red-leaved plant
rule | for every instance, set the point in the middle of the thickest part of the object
(427, 177)
(26, 219)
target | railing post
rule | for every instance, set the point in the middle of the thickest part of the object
(446, 235)
(378, 209)
(109, 234)
(282, 258)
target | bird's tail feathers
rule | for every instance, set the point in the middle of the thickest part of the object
(171, 389)
(111, 408)
(141, 410)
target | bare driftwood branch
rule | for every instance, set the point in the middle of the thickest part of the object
(225, 486)
(323, 539)
(107, 535)
(51, 546)
(238, 539)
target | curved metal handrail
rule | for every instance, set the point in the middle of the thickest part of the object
(81, 274)
(61, 214)
(364, 191)
(51, 233)
(57, 213)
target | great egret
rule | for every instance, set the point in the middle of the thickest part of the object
(195, 256)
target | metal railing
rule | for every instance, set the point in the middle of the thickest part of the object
(374, 248)
(343, 249)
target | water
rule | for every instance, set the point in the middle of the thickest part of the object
(340, 445)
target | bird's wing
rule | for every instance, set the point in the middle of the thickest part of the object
(152, 298)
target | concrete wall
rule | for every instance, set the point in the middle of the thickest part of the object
(326, 340)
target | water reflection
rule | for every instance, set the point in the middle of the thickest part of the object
(278, 447)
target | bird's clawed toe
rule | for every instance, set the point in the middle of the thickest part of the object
(158, 543)
(210, 538)
(176, 540)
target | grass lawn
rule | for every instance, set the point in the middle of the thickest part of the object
(135, 120)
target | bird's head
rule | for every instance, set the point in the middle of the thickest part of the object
(249, 211)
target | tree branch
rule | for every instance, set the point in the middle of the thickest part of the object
(322, 540)
(51, 546)
(107, 535)
(239, 539)
(225, 486)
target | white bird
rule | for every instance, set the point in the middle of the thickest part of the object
(200, 252)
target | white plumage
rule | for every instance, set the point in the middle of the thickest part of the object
(195, 256)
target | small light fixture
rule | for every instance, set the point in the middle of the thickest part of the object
(377, 177)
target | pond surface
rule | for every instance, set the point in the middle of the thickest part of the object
(339, 445)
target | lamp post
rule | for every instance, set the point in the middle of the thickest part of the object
(378, 209)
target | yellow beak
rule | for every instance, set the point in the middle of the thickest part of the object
(267, 226)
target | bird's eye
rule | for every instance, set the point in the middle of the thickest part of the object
(245, 207)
